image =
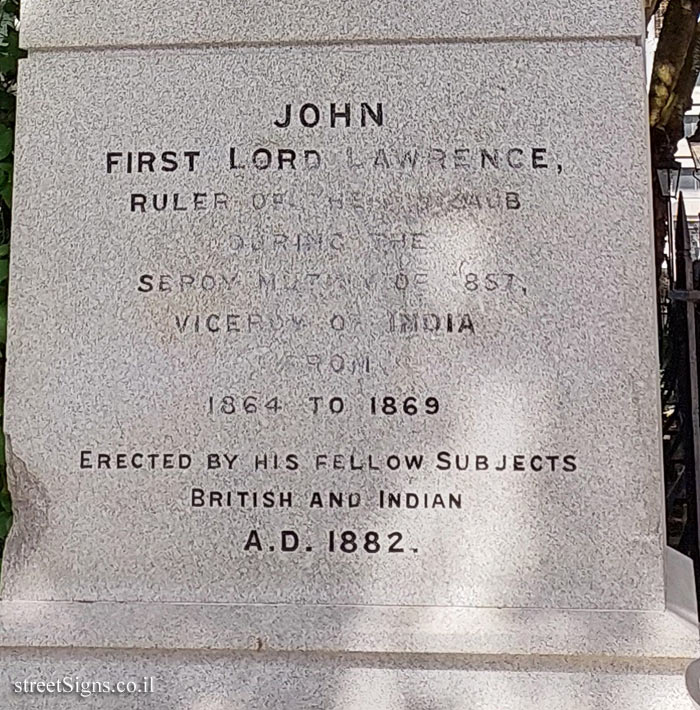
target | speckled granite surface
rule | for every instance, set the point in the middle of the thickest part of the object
(547, 377)
(490, 161)
(64, 23)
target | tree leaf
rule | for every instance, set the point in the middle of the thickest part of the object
(5, 524)
(8, 65)
(11, 44)
(7, 141)
(3, 322)
(8, 101)
(6, 194)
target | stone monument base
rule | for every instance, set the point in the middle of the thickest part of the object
(218, 680)
(226, 657)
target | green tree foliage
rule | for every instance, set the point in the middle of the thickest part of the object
(10, 53)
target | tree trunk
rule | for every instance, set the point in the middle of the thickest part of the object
(680, 21)
(650, 8)
(676, 68)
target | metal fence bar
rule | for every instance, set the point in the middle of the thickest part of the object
(681, 395)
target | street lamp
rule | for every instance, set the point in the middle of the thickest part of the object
(694, 145)
(668, 173)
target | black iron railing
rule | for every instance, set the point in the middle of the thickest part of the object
(679, 329)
